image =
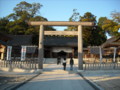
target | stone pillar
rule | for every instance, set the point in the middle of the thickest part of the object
(80, 48)
(40, 49)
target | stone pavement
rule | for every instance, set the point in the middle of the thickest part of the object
(107, 79)
(55, 78)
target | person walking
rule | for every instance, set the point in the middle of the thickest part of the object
(64, 64)
(58, 60)
(71, 63)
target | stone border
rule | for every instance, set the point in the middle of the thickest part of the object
(95, 86)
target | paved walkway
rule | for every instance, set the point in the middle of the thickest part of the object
(54, 78)
(107, 79)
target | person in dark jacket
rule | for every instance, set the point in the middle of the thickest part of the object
(64, 63)
(71, 63)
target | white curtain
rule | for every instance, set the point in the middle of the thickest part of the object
(65, 49)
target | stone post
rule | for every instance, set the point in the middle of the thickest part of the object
(40, 48)
(80, 48)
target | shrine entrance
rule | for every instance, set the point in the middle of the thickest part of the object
(60, 23)
(62, 54)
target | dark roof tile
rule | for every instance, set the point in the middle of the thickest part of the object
(18, 40)
(60, 41)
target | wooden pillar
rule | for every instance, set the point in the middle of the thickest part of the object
(40, 49)
(80, 48)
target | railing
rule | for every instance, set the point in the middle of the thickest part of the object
(106, 64)
(102, 66)
(33, 64)
(19, 64)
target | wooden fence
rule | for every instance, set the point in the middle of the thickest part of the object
(102, 66)
(29, 64)
(19, 64)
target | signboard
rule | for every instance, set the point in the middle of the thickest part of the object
(31, 49)
(97, 50)
(94, 50)
(9, 50)
(23, 53)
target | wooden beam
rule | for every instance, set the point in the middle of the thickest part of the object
(60, 23)
(61, 32)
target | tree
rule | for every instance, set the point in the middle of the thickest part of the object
(35, 30)
(74, 17)
(101, 21)
(116, 16)
(92, 36)
(109, 26)
(24, 12)
(88, 17)
(3, 23)
(17, 27)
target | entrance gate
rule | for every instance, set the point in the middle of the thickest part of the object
(60, 23)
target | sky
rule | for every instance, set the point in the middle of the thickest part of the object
(61, 10)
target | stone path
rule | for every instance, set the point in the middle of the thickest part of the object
(107, 79)
(54, 78)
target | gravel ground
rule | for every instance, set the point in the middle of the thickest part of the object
(11, 79)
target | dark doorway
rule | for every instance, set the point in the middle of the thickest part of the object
(62, 54)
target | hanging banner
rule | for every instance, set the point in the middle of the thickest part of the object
(23, 53)
(31, 49)
(9, 50)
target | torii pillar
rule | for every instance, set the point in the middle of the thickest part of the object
(60, 23)
(80, 48)
(41, 47)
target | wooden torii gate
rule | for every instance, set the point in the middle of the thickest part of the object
(60, 23)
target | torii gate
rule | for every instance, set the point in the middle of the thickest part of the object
(60, 23)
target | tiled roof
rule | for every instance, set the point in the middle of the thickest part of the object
(18, 40)
(3, 43)
(112, 42)
(4, 37)
(60, 41)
